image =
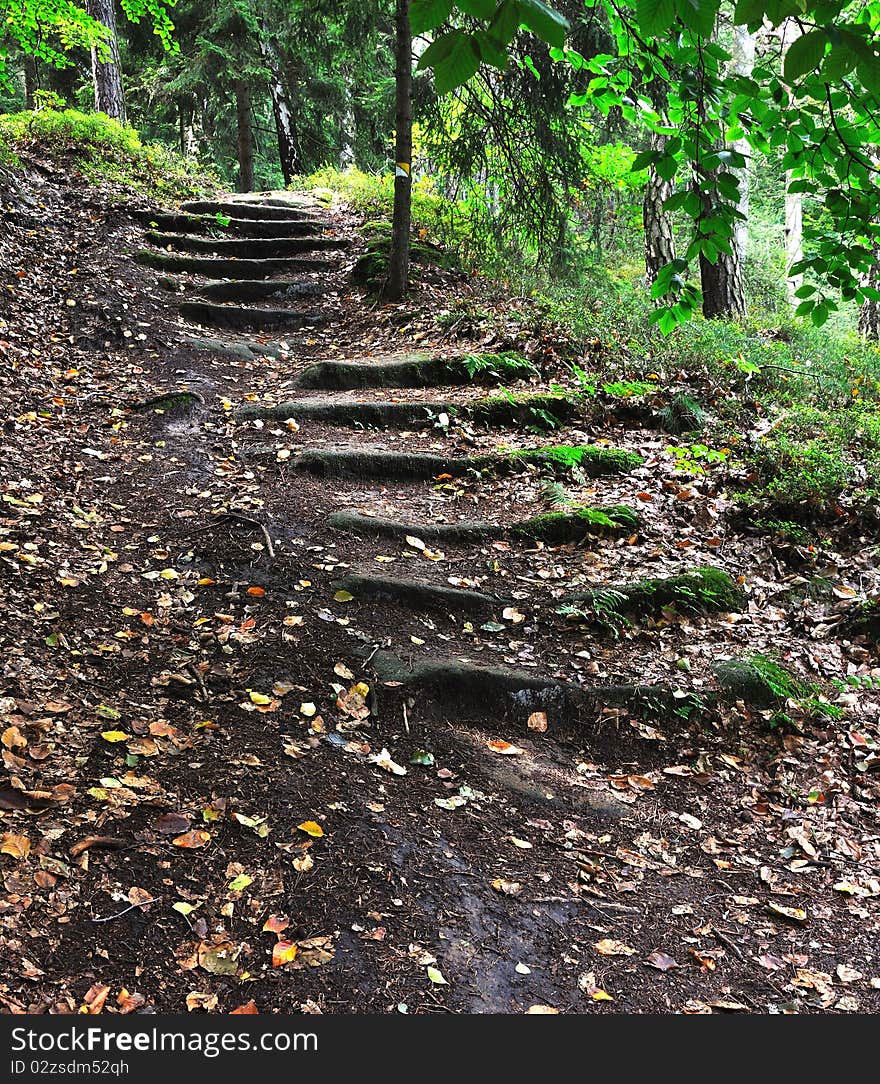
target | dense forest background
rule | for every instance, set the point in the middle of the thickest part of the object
(551, 167)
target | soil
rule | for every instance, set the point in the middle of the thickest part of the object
(211, 801)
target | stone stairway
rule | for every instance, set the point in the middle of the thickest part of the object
(403, 410)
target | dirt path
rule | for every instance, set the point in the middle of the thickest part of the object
(365, 724)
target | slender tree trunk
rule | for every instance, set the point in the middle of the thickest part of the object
(107, 73)
(245, 136)
(723, 282)
(742, 63)
(794, 201)
(869, 314)
(659, 239)
(398, 270)
(30, 81)
(348, 129)
(289, 153)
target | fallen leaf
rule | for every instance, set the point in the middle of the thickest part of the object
(192, 840)
(609, 947)
(311, 828)
(537, 721)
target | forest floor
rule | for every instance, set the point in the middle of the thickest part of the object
(232, 785)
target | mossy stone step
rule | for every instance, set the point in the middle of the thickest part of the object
(493, 410)
(245, 248)
(231, 268)
(260, 209)
(414, 371)
(241, 316)
(246, 227)
(593, 460)
(706, 589)
(570, 526)
(702, 590)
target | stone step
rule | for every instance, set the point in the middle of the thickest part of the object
(243, 247)
(242, 316)
(363, 462)
(217, 267)
(573, 525)
(410, 371)
(699, 591)
(262, 209)
(491, 410)
(247, 227)
(259, 289)
(503, 690)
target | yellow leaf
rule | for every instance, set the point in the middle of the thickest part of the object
(259, 698)
(114, 735)
(283, 953)
(16, 846)
(601, 995)
(343, 596)
(311, 828)
(168, 574)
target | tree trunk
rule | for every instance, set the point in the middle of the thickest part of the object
(723, 282)
(106, 72)
(742, 63)
(794, 201)
(869, 314)
(347, 129)
(659, 240)
(245, 136)
(289, 153)
(398, 269)
(30, 81)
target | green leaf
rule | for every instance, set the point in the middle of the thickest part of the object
(748, 12)
(655, 16)
(459, 65)
(804, 54)
(490, 51)
(544, 21)
(643, 160)
(428, 14)
(699, 15)
(479, 9)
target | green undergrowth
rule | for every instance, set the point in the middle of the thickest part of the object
(103, 151)
(813, 460)
(435, 220)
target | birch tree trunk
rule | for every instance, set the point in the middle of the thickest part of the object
(398, 268)
(348, 129)
(659, 240)
(107, 73)
(245, 136)
(794, 202)
(289, 154)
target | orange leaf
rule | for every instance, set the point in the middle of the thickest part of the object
(248, 1009)
(256, 592)
(283, 953)
(276, 923)
(193, 839)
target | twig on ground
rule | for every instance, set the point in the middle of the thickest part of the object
(125, 910)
